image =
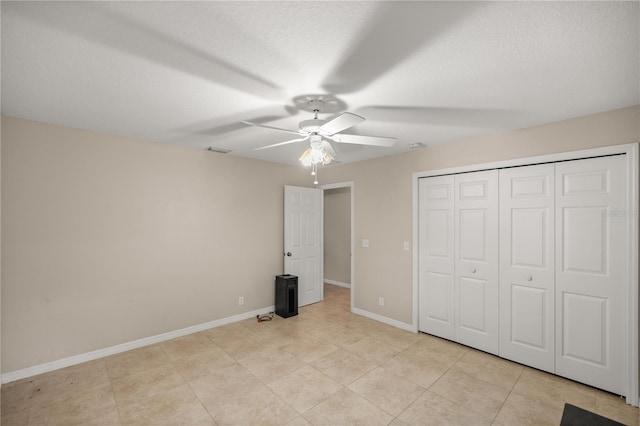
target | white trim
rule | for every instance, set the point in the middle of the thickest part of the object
(631, 150)
(337, 185)
(525, 161)
(633, 359)
(321, 248)
(414, 251)
(349, 184)
(338, 283)
(353, 238)
(100, 353)
(386, 320)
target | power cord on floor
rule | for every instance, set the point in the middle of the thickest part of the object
(263, 318)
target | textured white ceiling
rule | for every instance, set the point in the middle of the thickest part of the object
(430, 72)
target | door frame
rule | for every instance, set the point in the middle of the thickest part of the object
(351, 185)
(631, 152)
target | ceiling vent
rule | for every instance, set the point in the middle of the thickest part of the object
(220, 150)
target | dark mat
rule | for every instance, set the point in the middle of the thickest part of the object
(576, 416)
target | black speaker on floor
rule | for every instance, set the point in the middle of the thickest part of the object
(286, 295)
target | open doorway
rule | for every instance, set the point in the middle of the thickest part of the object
(338, 239)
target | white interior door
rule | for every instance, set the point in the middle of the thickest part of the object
(591, 271)
(476, 260)
(303, 241)
(527, 312)
(436, 256)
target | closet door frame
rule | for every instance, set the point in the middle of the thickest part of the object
(632, 154)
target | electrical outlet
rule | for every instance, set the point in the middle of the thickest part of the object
(241, 301)
(381, 301)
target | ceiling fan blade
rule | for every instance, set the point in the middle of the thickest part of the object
(281, 143)
(340, 123)
(232, 123)
(327, 147)
(248, 123)
(396, 32)
(364, 140)
(104, 24)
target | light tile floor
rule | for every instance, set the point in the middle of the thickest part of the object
(325, 366)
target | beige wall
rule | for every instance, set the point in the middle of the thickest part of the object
(337, 235)
(107, 240)
(383, 197)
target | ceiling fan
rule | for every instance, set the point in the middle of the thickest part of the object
(321, 133)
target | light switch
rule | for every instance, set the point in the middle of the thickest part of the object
(405, 246)
(365, 242)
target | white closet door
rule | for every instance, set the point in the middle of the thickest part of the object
(436, 260)
(476, 265)
(527, 312)
(591, 271)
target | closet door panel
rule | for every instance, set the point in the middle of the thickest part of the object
(476, 264)
(591, 271)
(527, 265)
(472, 303)
(436, 260)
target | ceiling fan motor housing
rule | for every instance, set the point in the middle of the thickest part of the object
(311, 126)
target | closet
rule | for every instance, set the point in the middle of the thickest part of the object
(530, 263)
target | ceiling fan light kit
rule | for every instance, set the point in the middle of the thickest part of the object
(320, 132)
(316, 154)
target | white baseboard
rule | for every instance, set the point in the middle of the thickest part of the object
(90, 356)
(338, 283)
(389, 321)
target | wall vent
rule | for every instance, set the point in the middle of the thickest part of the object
(417, 145)
(220, 150)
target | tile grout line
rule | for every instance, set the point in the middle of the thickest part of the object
(200, 401)
(406, 350)
(455, 402)
(507, 398)
(188, 383)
